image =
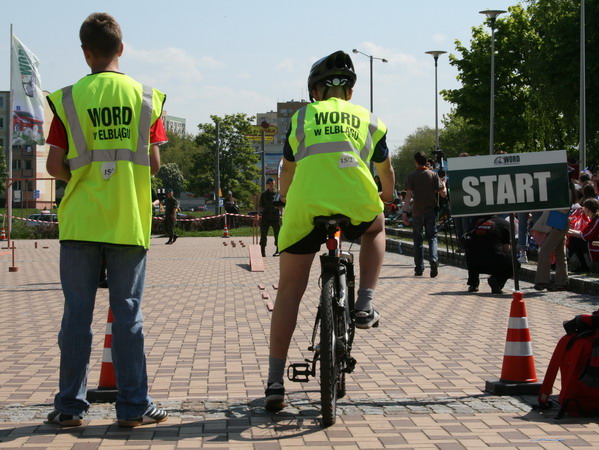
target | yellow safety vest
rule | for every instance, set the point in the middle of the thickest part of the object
(332, 142)
(107, 117)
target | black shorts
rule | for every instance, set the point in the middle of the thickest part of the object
(312, 241)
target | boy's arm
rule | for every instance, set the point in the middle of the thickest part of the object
(387, 176)
(56, 164)
(154, 159)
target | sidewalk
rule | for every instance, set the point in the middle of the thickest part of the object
(418, 382)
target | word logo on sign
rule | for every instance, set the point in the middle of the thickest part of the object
(506, 159)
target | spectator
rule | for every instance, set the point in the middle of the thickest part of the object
(554, 244)
(423, 186)
(231, 207)
(171, 206)
(590, 233)
(269, 217)
(489, 251)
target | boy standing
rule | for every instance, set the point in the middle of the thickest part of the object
(104, 143)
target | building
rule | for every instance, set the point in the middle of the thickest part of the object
(281, 118)
(174, 124)
(4, 119)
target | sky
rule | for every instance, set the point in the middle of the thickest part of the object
(233, 56)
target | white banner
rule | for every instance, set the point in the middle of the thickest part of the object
(28, 98)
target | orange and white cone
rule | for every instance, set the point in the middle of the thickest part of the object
(518, 361)
(518, 375)
(226, 232)
(107, 389)
(3, 235)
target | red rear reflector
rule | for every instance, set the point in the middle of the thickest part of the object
(331, 244)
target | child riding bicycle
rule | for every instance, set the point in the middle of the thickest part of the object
(325, 172)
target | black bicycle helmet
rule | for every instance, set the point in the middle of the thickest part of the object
(336, 69)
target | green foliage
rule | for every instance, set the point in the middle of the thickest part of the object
(537, 58)
(180, 150)
(172, 178)
(422, 140)
(238, 160)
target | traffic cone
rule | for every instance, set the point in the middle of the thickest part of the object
(226, 232)
(107, 389)
(3, 235)
(518, 375)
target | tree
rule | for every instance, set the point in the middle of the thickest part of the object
(238, 159)
(422, 140)
(172, 178)
(180, 149)
(536, 80)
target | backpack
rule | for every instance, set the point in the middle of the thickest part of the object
(576, 356)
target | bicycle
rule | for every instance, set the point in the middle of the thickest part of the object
(334, 325)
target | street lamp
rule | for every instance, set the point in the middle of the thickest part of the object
(492, 14)
(583, 127)
(372, 58)
(435, 54)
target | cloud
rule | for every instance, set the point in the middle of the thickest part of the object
(440, 38)
(286, 65)
(167, 66)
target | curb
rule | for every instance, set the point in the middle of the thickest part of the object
(576, 283)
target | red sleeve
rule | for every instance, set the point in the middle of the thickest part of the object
(591, 231)
(157, 133)
(58, 135)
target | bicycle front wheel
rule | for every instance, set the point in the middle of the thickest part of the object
(329, 370)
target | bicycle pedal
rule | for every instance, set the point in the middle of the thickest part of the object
(299, 372)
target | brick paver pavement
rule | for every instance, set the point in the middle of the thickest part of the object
(418, 384)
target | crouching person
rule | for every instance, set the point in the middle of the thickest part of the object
(488, 251)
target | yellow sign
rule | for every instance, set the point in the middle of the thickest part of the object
(271, 130)
(267, 139)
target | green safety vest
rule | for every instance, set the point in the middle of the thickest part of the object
(107, 117)
(332, 142)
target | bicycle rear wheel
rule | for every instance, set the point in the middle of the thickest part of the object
(329, 370)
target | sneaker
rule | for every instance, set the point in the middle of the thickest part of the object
(367, 319)
(276, 254)
(472, 288)
(434, 269)
(274, 397)
(152, 415)
(541, 286)
(169, 242)
(65, 420)
(175, 238)
(523, 259)
(418, 273)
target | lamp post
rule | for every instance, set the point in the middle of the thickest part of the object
(372, 58)
(435, 54)
(217, 170)
(492, 14)
(583, 127)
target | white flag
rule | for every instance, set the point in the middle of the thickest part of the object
(28, 98)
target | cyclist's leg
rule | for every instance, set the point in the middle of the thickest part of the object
(293, 279)
(372, 253)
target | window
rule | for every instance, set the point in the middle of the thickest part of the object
(27, 164)
(16, 164)
(1, 102)
(16, 186)
(1, 123)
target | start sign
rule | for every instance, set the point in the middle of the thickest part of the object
(499, 184)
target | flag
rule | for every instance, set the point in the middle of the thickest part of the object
(28, 98)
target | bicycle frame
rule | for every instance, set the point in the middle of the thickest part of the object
(339, 265)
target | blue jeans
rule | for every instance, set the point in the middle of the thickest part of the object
(79, 274)
(523, 227)
(428, 222)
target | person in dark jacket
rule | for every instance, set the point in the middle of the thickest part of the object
(270, 216)
(489, 251)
